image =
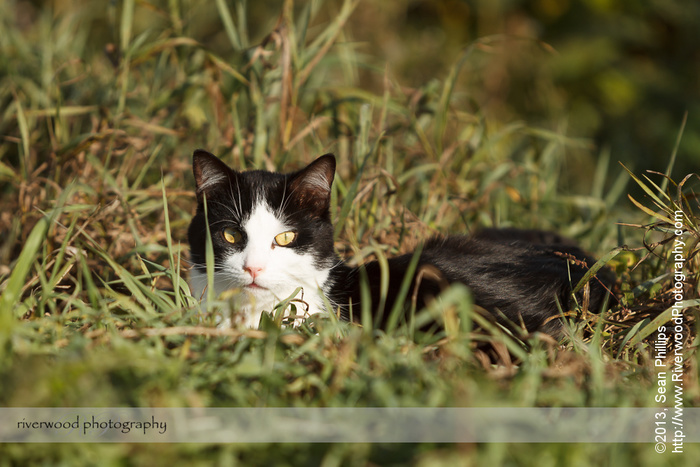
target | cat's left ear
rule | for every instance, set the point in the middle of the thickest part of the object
(311, 186)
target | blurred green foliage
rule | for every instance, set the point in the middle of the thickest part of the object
(621, 72)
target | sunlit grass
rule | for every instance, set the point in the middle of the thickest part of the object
(96, 196)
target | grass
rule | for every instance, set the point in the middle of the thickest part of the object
(96, 197)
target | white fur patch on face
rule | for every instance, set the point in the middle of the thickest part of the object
(266, 272)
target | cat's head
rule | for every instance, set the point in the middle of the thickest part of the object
(270, 232)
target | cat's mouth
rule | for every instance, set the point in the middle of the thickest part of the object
(255, 286)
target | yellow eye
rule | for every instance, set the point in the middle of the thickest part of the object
(232, 235)
(285, 238)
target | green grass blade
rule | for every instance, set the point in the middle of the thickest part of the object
(13, 290)
(674, 153)
(174, 276)
(630, 334)
(400, 301)
(24, 133)
(601, 172)
(648, 211)
(605, 259)
(660, 320)
(350, 197)
(229, 25)
(209, 258)
(644, 187)
(126, 26)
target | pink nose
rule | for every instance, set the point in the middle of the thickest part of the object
(253, 270)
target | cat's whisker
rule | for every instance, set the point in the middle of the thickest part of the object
(222, 221)
(339, 263)
(236, 211)
(283, 203)
(228, 207)
(240, 203)
(286, 199)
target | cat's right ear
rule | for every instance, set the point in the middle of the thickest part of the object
(209, 172)
(311, 186)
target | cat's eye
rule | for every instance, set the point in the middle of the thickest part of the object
(285, 238)
(232, 235)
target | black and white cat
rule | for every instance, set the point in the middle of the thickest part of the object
(272, 234)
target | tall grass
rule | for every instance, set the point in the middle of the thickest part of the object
(102, 108)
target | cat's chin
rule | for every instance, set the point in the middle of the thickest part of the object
(257, 290)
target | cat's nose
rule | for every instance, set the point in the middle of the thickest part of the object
(253, 270)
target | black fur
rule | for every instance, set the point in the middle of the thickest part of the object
(512, 271)
(520, 273)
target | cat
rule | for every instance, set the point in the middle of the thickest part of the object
(272, 234)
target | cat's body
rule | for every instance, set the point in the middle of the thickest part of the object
(271, 234)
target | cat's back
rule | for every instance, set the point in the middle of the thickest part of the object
(502, 247)
(519, 272)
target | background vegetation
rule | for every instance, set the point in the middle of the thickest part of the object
(445, 116)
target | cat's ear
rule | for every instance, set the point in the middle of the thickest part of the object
(311, 186)
(209, 171)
